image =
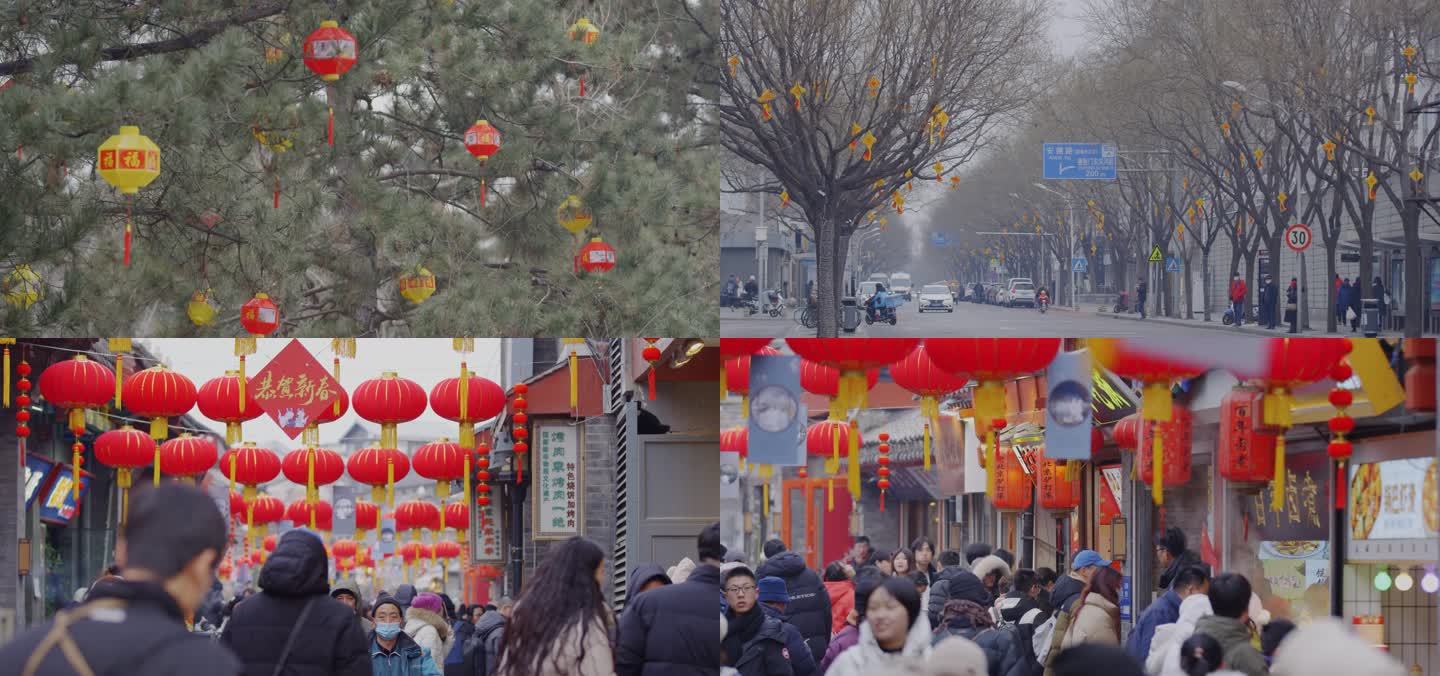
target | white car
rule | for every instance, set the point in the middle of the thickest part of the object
(1020, 293)
(936, 297)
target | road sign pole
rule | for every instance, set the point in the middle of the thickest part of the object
(1074, 290)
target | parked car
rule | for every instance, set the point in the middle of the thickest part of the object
(936, 297)
(1020, 292)
(992, 294)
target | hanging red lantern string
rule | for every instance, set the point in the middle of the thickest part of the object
(1341, 424)
(219, 400)
(737, 375)
(251, 466)
(651, 355)
(22, 402)
(824, 440)
(5, 371)
(483, 141)
(737, 347)
(329, 52)
(884, 472)
(918, 374)
(519, 432)
(482, 479)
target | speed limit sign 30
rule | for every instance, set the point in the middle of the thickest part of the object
(1298, 237)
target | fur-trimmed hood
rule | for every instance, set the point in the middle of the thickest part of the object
(990, 564)
(428, 617)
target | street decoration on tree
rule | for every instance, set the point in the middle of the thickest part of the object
(330, 51)
(417, 285)
(583, 32)
(128, 161)
(483, 141)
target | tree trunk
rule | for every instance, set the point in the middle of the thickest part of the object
(827, 280)
(1367, 265)
(1189, 290)
(1415, 296)
(1330, 305)
(1206, 280)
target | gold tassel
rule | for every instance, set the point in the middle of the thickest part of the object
(5, 373)
(464, 392)
(1277, 408)
(832, 467)
(1157, 488)
(466, 484)
(390, 482)
(240, 383)
(744, 404)
(1155, 401)
(155, 471)
(75, 451)
(1277, 501)
(854, 460)
(835, 446)
(122, 477)
(232, 471)
(723, 391)
(377, 494)
(927, 446)
(765, 488)
(159, 428)
(119, 346)
(232, 434)
(77, 421)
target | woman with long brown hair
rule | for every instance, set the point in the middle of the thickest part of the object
(561, 625)
(1097, 612)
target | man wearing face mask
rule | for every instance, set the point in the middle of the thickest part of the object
(392, 651)
(293, 626)
(168, 551)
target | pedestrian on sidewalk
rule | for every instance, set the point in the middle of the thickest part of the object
(294, 608)
(1354, 304)
(1231, 625)
(482, 651)
(1096, 615)
(561, 624)
(809, 605)
(167, 550)
(755, 642)
(849, 634)
(1292, 306)
(348, 592)
(1266, 307)
(670, 630)
(1141, 291)
(842, 594)
(392, 651)
(894, 633)
(1237, 299)
(1377, 288)
(1165, 610)
(1342, 302)
(425, 622)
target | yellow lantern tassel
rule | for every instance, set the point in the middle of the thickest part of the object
(1277, 500)
(390, 482)
(335, 371)
(77, 421)
(75, 460)
(744, 400)
(1277, 408)
(5, 375)
(377, 494)
(466, 481)
(464, 392)
(119, 378)
(232, 435)
(829, 494)
(835, 448)
(159, 428)
(574, 382)
(854, 460)
(927, 446)
(1155, 401)
(723, 391)
(1157, 459)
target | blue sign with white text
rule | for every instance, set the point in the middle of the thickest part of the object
(1172, 264)
(1079, 161)
(1079, 264)
(1126, 598)
(60, 504)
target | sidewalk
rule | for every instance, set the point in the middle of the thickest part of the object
(1214, 324)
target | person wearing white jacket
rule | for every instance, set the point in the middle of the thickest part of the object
(895, 633)
(1164, 659)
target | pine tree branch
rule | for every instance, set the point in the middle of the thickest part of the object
(191, 40)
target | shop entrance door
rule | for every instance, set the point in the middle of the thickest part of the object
(809, 527)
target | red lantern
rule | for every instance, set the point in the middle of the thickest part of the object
(329, 52)
(1244, 451)
(1176, 434)
(883, 449)
(187, 456)
(483, 141)
(737, 375)
(380, 468)
(595, 256)
(736, 440)
(1127, 432)
(991, 361)
(124, 449)
(312, 468)
(1341, 424)
(457, 515)
(77, 384)
(483, 400)
(409, 552)
(651, 354)
(817, 378)
(344, 548)
(1291, 362)
(737, 347)
(269, 543)
(388, 401)
(1059, 483)
(1158, 372)
(319, 515)
(219, 400)
(260, 316)
(225, 569)
(918, 374)
(367, 517)
(518, 431)
(159, 394)
(263, 511)
(853, 357)
(442, 462)
(413, 515)
(256, 558)
(1013, 491)
(22, 402)
(447, 549)
(825, 437)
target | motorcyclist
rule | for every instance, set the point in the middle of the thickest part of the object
(1042, 297)
(872, 304)
(731, 292)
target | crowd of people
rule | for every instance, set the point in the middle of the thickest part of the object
(146, 614)
(973, 613)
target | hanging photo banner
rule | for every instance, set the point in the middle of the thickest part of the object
(1068, 406)
(489, 538)
(293, 388)
(951, 435)
(778, 414)
(343, 498)
(387, 537)
(974, 474)
(556, 493)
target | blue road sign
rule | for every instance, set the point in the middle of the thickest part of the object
(1172, 264)
(1079, 264)
(939, 239)
(1079, 161)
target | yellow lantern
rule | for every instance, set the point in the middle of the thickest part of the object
(1410, 80)
(573, 215)
(583, 31)
(734, 62)
(129, 161)
(1371, 182)
(797, 92)
(200, 311)
(21, 287)
(869, 140)
(764, 100)
(1370, 114)
(1329, 147)
(1282, 198)
(417, 284)
(1416, 175)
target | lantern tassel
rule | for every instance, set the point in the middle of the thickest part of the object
(159, 428)
(119, 379)
(723, 391)
(75, 460)
(582, 86)
(466, 482)
(77, 421)
(330, 128)
(5, 378)
(744, 399)
(482, 193)
(464, 396)
(829, 494)
(232, 435)
(1157, 467)
(1277, 500)
(122, 478)
(574, 361)
(128, 236)
(1340, 484)
(927, 447)
(854, 461)
(390, 482)
(277, 197)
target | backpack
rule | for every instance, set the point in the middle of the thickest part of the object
(1043, 638)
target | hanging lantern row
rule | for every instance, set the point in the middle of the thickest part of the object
(519, 431)
(884, 471)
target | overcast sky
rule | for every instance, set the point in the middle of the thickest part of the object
(426, 361)
(1066, 28)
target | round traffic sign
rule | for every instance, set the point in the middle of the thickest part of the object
(1298, 237)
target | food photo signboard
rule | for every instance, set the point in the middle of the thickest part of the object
(1394, 500)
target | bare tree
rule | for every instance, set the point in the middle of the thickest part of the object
(841, 102)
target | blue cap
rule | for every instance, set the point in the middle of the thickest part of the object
(1087, 558)
(773, 589)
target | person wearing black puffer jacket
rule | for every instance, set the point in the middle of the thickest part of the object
(956, 583)
(671, 630)
(969, 620)
(809, 606)
(327, 641)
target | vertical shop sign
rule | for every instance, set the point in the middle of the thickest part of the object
(556, 493)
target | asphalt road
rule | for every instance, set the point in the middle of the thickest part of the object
(970, 319)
